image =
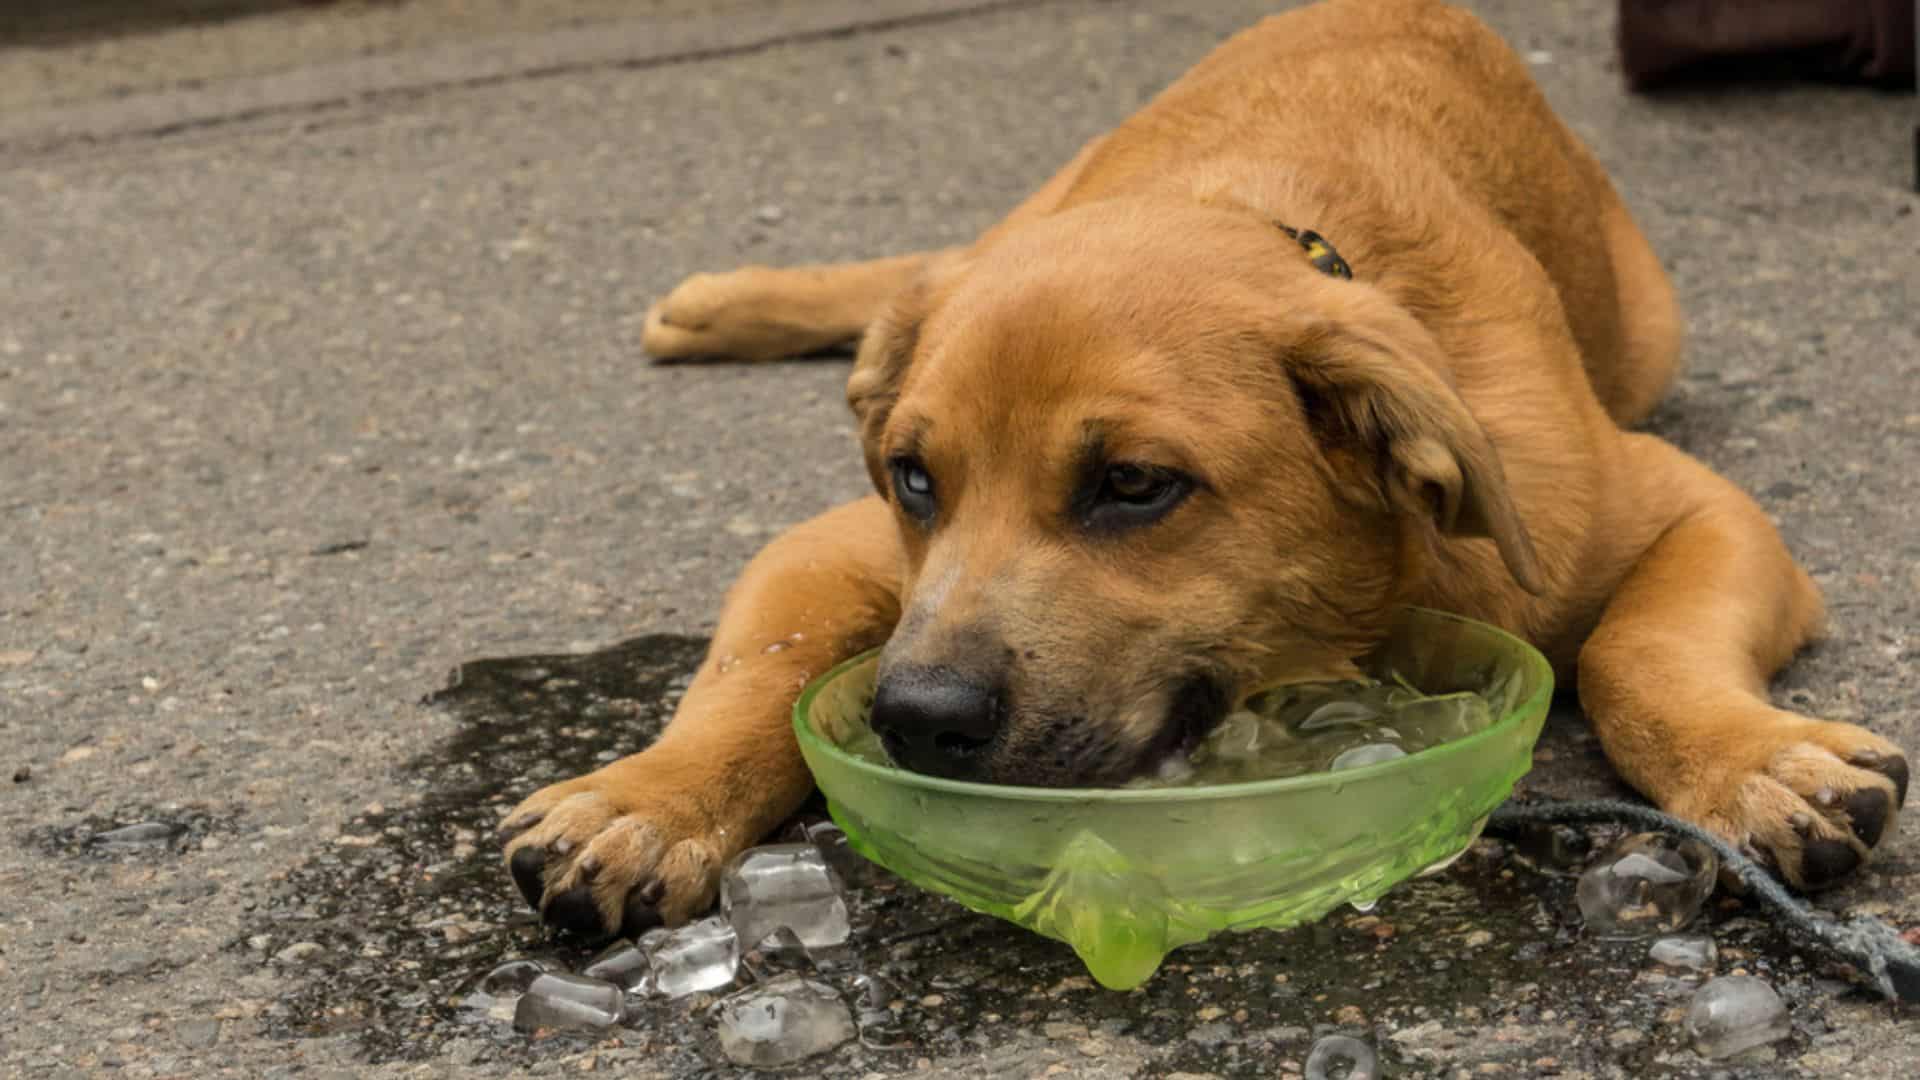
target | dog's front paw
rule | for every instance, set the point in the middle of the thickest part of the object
(618, 851)
(1812, 798)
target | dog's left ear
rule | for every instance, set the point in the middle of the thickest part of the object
(1375, 384)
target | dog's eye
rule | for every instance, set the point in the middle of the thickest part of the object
(1133, 484)
(913, 487)
(1128, 496)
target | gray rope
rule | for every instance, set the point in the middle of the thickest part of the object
(1885, 961)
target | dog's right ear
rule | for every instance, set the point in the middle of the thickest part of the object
(880, 366)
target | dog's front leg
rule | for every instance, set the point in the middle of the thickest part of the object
(642, 841)
(1675, 682)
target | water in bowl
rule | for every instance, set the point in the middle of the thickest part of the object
(1299, 729)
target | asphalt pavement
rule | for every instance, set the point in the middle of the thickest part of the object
(319, 377)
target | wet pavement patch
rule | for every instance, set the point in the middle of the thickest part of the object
(385, 933)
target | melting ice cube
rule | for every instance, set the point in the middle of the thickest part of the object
(1342, 1057)
(569, 1002)
(698, 956)
(1648, 883)
(1735, 1013)
(782, 1021)
(788, 885)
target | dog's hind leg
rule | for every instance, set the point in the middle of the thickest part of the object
(1650, 323)
(1675, 677)
(763, 313)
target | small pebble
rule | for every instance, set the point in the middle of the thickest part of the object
(299, 952)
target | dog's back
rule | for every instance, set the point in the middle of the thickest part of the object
(1420, 143)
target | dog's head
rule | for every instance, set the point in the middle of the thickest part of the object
(1144, 462)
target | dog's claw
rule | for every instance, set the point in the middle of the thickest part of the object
(515, 826)
(1892, 766)
(529, 873)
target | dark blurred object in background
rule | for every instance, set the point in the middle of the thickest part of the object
(1665, 41)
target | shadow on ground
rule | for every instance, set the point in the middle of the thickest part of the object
(382, 935)
(64, 22)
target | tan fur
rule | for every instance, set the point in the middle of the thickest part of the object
(1444, 430)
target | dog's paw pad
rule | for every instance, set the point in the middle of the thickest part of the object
(1818, 805)
(595, 864)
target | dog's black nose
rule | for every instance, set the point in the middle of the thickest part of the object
(935, 720)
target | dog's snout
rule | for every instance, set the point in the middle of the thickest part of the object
(935, 720)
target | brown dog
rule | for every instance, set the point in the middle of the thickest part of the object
(1145, 446)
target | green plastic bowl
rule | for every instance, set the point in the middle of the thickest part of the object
(1127, 875)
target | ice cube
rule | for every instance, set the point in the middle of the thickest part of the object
(623, 964)
(141, 835)
(880, 1027)
(480, 1007)
(1434, 720)
(1648, 883)
(569, 1003)
(1365, 754)
(854, 870)
(512, 977)
(1342, 1057)
(779, 953)
(782, 1021)
(1238, 738)
(1735, 1013)
(789, 885)
(1340, 714)
(699, 956)
(1690, 951)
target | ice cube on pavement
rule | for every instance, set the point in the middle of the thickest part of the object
(1690, 951)
(1365, 754)
(480, 1006)
(512, 977)
(880, 1027)
(854, 870)
(1342, 1057)
(779, 953)
(699, 956)
(1735, 1013)
(1647, 883)
(789, 885)
(569, 1003)
(622, 964)
(143, 834)
(782, 1021)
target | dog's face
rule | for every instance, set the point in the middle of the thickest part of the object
(1135, 482)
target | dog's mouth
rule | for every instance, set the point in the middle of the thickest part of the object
(1198, 706)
